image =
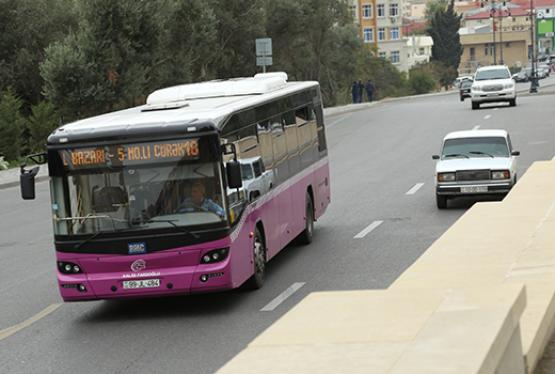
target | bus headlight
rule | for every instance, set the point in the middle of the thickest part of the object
(69, 268)
(446, 177)
(216, 255)
(500, 174)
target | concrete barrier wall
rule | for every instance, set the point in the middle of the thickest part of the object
(479, 300)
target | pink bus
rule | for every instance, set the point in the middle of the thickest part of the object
(195, 191)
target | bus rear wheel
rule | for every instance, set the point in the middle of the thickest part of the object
(256, 281)
(308, 233)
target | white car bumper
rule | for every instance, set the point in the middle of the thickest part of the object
(483, 96)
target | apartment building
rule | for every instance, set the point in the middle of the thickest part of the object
(380, 23)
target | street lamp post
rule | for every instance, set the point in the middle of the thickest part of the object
(501, 11)
(534, 77)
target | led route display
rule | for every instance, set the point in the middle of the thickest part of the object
(130, 154)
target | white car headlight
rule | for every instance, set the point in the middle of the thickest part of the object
(500, 174)
(508, 85)
(445, 177)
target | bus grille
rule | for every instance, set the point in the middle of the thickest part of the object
(473, 175)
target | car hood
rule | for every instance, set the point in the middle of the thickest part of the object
(473, 163)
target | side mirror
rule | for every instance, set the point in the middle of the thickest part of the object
(515, 153)
(27, 183)
(435, 157)
(233, 170)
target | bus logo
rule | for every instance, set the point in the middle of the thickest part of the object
(136, 248)
(138, 265)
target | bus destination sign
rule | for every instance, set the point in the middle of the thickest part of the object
(130, 154)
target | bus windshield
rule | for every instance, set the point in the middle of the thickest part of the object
(136, 195)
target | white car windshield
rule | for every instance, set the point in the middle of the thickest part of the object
(475, 147)
(482, 75)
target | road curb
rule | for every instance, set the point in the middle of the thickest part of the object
(334, 111)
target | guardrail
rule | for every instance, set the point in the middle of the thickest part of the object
(479, 300)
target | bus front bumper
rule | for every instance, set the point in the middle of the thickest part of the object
(152, 283)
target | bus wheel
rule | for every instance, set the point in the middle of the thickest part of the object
(308, 233)
(259, 262)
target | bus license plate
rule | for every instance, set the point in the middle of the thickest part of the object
(141, 283)
(474, 189)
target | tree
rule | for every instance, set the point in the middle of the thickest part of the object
(189, 43)
(27, 27)
(107, 63)
(433, 6)
(239, 23)
(447, 49)
(326, 51)
(41, 123)
(11, 123)
(444, 30)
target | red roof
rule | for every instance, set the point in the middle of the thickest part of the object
(537, 3)
(515, 12)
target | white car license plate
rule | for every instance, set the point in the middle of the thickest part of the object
(141, 283)
(474, 189)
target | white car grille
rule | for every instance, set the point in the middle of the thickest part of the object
(473, 175)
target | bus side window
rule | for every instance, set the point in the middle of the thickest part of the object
(291, 137)
(279, 146)
(322, 145)
(265, 139)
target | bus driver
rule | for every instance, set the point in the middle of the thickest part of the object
(199, 202)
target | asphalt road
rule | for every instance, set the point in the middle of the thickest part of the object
(376, 155)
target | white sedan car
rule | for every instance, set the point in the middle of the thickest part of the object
(493, 84)
(475, 163)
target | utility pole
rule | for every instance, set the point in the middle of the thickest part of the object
(492, 16)
(534, 77)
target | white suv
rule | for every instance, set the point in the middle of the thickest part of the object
(493, 84)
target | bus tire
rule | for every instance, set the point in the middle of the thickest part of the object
(256, 281)
(308, 232)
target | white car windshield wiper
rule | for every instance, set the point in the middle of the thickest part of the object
(456, 155)
(481, 153)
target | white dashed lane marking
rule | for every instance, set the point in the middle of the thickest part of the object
(488, 116)
(282, 297)
(476, 127)
(414, 189)
(371, 227)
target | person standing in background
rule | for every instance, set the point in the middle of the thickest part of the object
(354, 92)
(360, 91)
(369, 90)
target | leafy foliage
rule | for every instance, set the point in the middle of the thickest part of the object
(41, 123)
(421, 81)
(11, 124)
(447, 50)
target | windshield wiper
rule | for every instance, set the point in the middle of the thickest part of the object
(90, 216)
(92, 237)
(456, 155)
(481, 153)
(172, 222)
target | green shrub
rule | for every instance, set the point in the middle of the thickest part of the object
(41, 123)
(11, 124)
(421, 82)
